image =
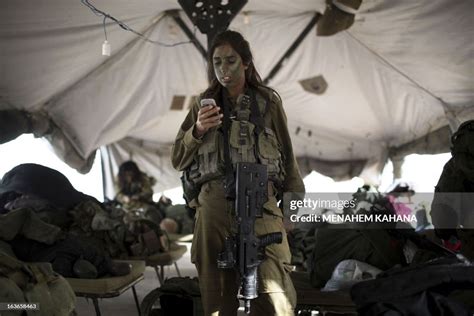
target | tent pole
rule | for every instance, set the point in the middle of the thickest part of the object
(107, 171)
(292, 48)
(211, 17)
(102, 164)
(175, 15)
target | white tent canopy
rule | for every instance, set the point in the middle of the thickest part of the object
(401, 73)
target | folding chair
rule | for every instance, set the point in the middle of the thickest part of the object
(159, 260)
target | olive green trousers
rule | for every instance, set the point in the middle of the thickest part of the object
(219, 287)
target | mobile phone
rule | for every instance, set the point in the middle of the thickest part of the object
(205, 102)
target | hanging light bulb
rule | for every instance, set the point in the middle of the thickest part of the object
(106, 48)
(246, 18)
(105, 45)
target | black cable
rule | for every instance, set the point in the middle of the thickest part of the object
(105, 30)
(126, 27)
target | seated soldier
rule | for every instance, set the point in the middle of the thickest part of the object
(134, 186)
(135, 192)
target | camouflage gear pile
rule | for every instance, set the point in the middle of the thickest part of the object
(105, 227)
(33, 283)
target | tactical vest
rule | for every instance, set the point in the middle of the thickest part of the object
(208, 164)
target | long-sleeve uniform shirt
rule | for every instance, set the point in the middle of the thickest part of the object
(186, 145)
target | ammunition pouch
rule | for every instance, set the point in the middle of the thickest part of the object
(244, 147)
(242, 142)
(269, 153)
(190, 188)
(207, 164)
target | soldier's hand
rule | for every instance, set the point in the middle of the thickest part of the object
(208, 117)
(126, 199)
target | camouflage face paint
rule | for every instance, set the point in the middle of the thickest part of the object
(229, 69)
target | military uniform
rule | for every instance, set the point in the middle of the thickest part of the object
(204, 159)
(141, 193)
(137, 200)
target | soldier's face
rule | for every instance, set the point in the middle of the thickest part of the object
(229, 68)
(128, 176)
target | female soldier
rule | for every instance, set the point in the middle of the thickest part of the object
(256, 133)
(135, 188)
(135, 193)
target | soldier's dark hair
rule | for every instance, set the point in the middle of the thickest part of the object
(242, 47)
(128, 166)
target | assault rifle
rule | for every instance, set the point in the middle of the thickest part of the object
(245, 251)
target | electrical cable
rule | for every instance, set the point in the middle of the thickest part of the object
(105, 30)
(127, 28)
